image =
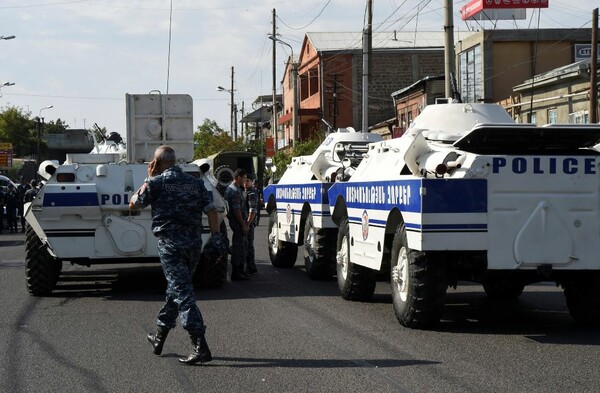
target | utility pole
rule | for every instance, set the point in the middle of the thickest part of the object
(233, 114)
(367, 37)
(594, 70)
(296, 109)
(335, 103)
(448, 46)
(274, 107)
(242, 113)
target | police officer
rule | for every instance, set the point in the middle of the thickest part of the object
(178, 200)
(252, 212)
(31, 193)
(12, 200)
(21, 190)
(238, 223)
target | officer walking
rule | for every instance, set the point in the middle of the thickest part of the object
(238, 224)
(178, 200)
(12, 200)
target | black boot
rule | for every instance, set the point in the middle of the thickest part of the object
(158, 339)
(201, 351)
(237, 274)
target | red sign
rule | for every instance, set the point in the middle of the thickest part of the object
(270, 146)
(476, 6)
(6, 158)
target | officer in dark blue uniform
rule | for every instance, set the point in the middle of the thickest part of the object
(238, 223)
(178, 200)
(252, 213)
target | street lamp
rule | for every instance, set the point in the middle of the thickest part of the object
(295, 109)
(232, 114)
(9, 37)
(39, 125)
(6, 84)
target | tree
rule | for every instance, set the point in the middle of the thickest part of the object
(55, 127)
(284, 157)
(211, 139)
(18, 128)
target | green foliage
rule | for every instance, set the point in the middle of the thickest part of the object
(210, 139)
(55, 127)
(18, 128)
(284, 157)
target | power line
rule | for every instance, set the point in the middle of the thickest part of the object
(309, 23)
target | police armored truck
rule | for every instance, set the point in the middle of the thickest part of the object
(467, 194)
(298, 206)
(81, 214)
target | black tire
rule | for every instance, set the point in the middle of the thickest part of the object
(282, 254)
(354, 281)
(583, 299)
(503, 289)
(418, 282)
(41, 269)
(319, 254)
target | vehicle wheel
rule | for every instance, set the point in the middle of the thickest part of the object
(354, 281)
(318, 251)
(418, 284)
(41, 269)
(503, 289)
(282, 254)
(583, 300)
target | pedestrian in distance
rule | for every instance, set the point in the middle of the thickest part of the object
(252, 213)
(21, 190)
(31, 193)
(178, 200)
(2, 195)
(13, 202)
(234, 195)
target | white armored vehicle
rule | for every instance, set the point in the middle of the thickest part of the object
(467, 194)
(81, 215)
(298, 206)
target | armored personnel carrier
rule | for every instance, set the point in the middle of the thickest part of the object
(298, 206)
(81, 214)
(467, 194)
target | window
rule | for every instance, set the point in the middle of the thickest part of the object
(552, 116)
(531, 117)
(403, 120)
(471, 75)
(580, 117)
(409, 118)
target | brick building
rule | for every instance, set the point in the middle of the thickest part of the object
(330, 77)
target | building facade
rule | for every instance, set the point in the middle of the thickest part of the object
(330, 78)
(490, 62)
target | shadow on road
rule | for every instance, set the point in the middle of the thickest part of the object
(239, 362)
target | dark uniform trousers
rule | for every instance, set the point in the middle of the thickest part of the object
(239, 246)
(179, 259)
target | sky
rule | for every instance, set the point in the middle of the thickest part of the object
(83, 56)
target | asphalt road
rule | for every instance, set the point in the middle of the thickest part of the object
(281, 332)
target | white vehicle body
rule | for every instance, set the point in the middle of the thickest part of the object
(298, 204)
(468, 194)
(82, 214)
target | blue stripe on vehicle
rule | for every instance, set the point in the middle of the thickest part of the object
(439, 195)
(314, 193)
(71, 199)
